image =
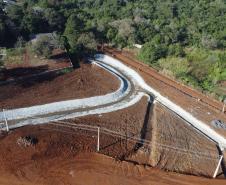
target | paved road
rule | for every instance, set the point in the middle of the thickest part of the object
(127, 95)
(132, 89)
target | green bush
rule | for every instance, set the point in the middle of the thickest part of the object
(43, 47)
(178, 66)
(190, 80)
(176, 50)
(151, 52)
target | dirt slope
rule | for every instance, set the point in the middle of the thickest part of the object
(194, 153)
(206, 109)
(83, 82)
(57, 159)
(189, 151)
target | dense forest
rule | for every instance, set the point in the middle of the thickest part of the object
(185, 39)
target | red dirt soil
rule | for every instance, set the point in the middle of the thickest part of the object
(157, 124)
(199, 105)
(65, 159)
(86, 81)
(13, 71)
(62, 158)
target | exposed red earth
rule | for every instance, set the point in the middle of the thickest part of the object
(68, 157)
(202, 107)
(65, 159)
(86, 81)
(26, 68)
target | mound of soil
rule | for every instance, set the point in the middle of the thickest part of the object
(83, 82)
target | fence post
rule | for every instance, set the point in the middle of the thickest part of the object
(218, 166)
(98, 139)
(6, 122)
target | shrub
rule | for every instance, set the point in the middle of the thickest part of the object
(178, 66)
(176, 50)
(151, 52)
(43, 47)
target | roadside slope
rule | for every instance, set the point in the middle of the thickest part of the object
(86, 81)
(199, 109)
(70, 161)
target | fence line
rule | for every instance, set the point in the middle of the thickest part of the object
(143, 142)
(137, 140)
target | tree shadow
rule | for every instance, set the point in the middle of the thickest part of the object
(32, 76)
(144, 131)
(59, 57)
(31, 81)
(19, 72)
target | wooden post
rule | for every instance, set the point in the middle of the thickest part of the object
(218, 166)
(126, 137)
(224, 102)
(6, 122)
(98, 139)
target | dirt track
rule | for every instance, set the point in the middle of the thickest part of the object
(83, 82)
(95, 169)
(206, 109)
(174, 84)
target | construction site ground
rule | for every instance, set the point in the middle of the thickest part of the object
(26, 66)
(86, 81)
(63, 159)
(199, 105)
(174, 145)
(69, 154)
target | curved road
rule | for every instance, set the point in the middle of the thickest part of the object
(132, 89)
(127, 95)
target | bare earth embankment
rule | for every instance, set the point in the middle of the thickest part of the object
(83, 82)
(66, 156)
(63, 159)
(200, 106)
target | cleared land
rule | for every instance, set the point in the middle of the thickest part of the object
(63, 149)
(206, 109)
(83, 82)
(26, 65)
(174, 145)
(60, 158)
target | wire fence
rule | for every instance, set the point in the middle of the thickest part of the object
(132, 138)
(142, 142)
(138, 143)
